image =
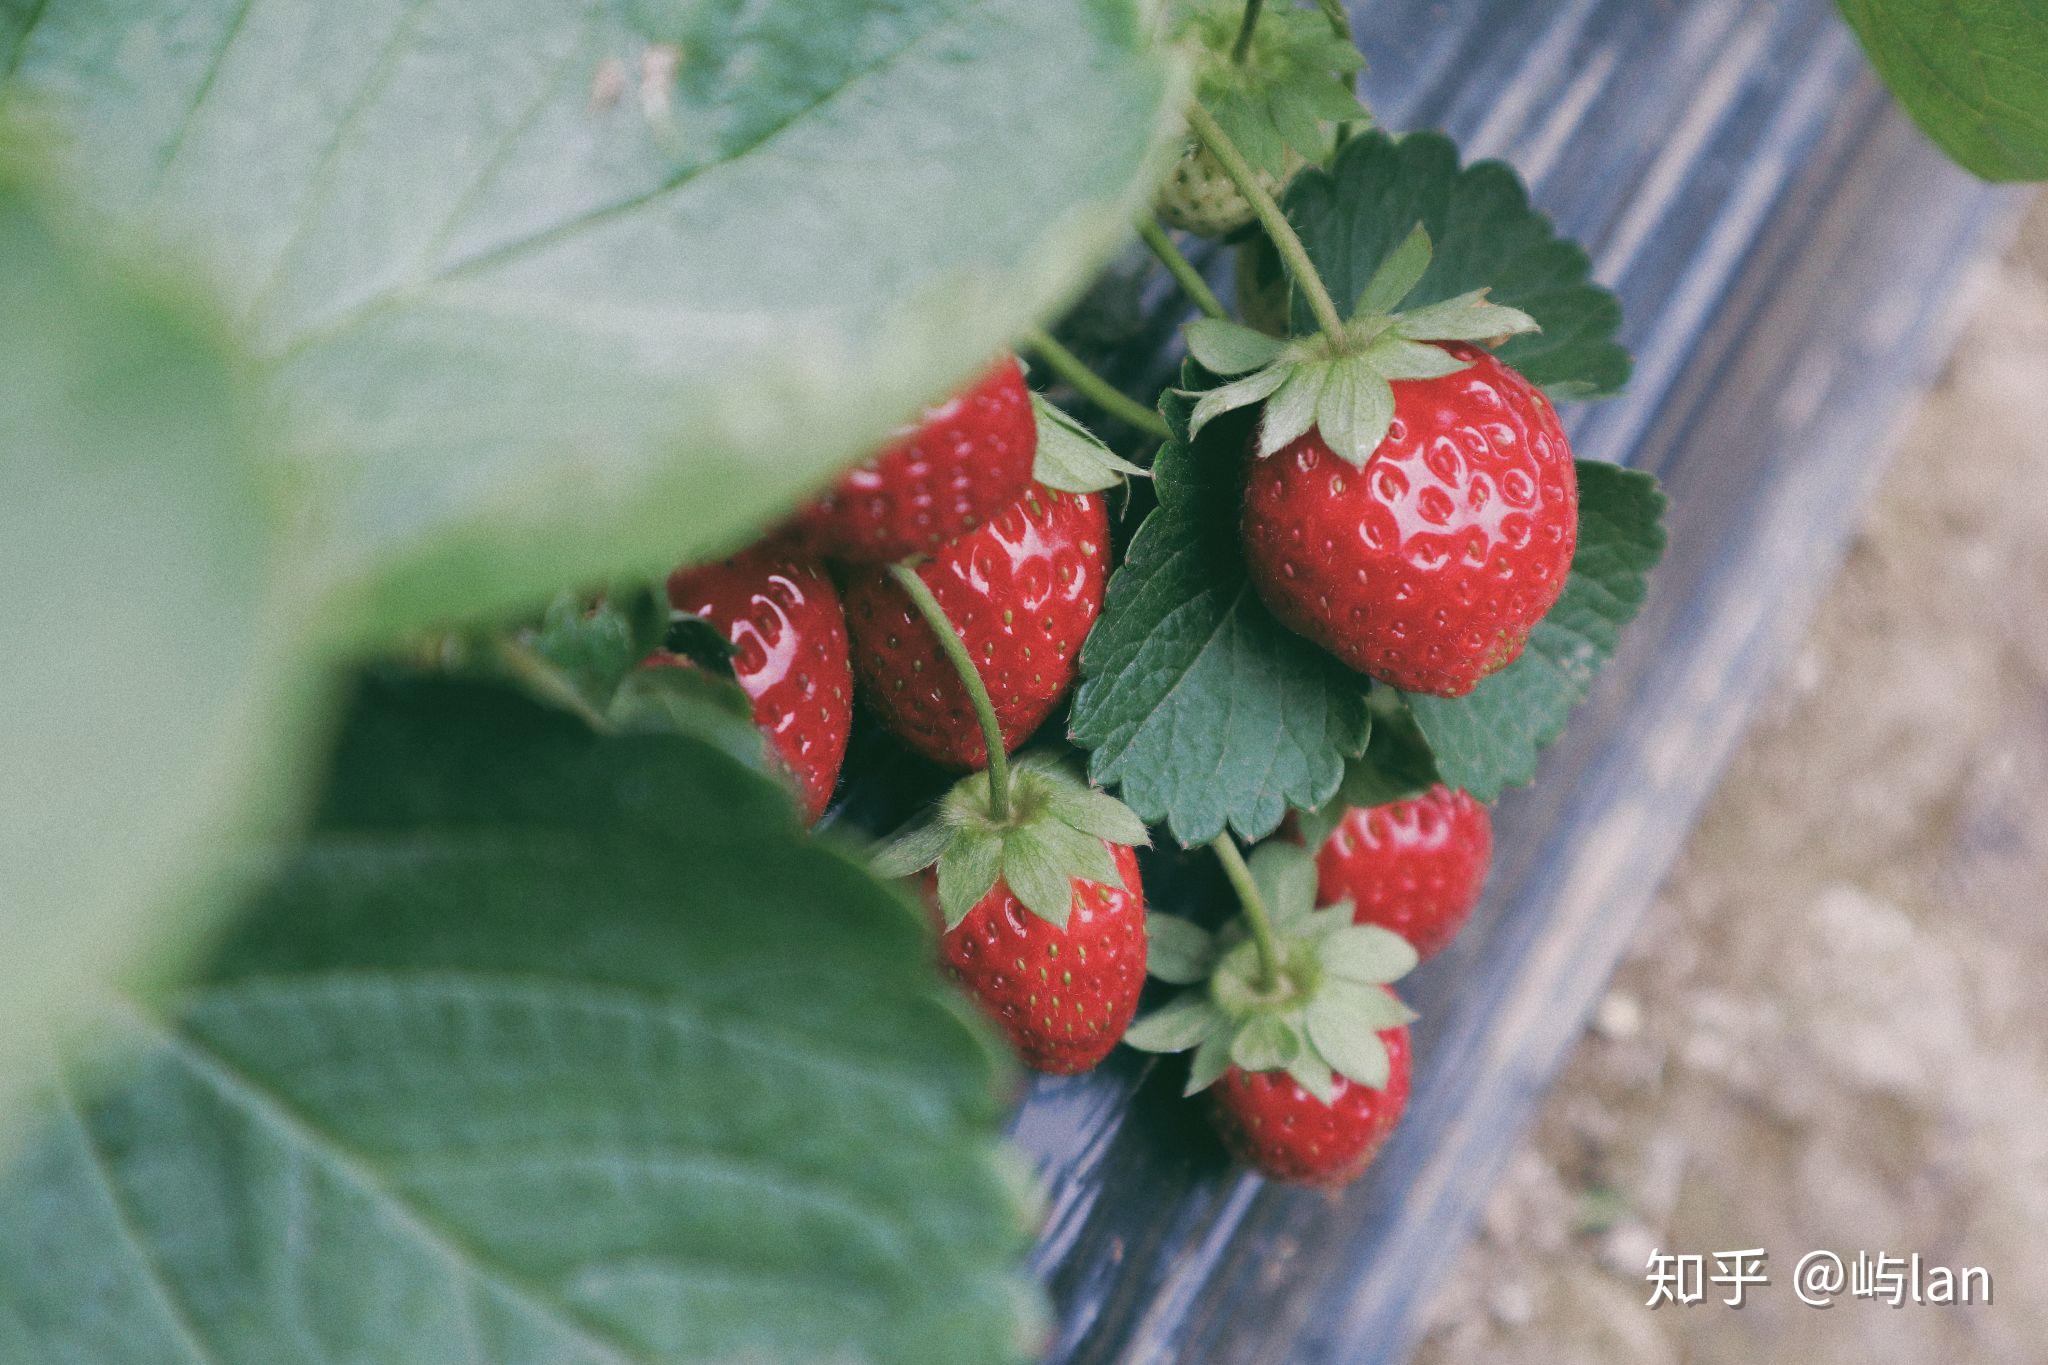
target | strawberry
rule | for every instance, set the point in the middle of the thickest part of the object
(783, 618)
(1062, 994)
(1415, 867)
(1291, 1019)
(1428, 567)
(963, 462)
(1021, 593)
(1412, 505)
(1270, 1122)
(1043, 916)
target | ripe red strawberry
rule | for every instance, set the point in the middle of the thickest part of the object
(1428, 566)
(965, 461)
(1021, 593)
(1415, 867)
(1064, 996)
(1290, 1018)
(783, 617)
(1268, 1120)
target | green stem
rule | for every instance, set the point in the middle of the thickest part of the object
(955, 650)
(1292, 253)
(1245, 29)
(1180, 267)
(1254, 908)
(1094, 387)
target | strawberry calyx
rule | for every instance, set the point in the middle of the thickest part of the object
(1052, 831)
(1340, 383)
(1311, 1001)
(1073, 459)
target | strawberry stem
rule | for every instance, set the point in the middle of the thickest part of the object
(1292, 252)
(955, 650)
(1180, 267)
(1255, 913)
(1094, 387)
(1245, 28)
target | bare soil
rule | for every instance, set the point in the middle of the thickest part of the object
(1832, 1031)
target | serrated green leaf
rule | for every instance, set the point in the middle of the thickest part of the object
(1974, 76)
(1291, 410)
(1181, 1023)
(1485, 235)
(1071, 458)
(1194, 702)
(1355, 410)
(1036, 868)
(1209, 1063)
(1394, 277)
(1266, 1042)
(1178, 951)
(567, 1045)
(1368, 954)
(967, 872)
(1286, 877)
(504, 269)
(1229, 347)
(1355, 1051)
(1396, 766)
(1489, 740)
(1213, 403)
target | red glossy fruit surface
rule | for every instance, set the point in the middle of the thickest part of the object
(1415, 867)
(1268, 1121)
(1063, 996)
(781, 612)
(1427, 568)
(965, 461)
(1021, 592)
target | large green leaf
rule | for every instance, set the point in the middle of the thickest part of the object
(1972, 73)
(149, 633)
(540, 1046)
(1199, 706)
(1484, 235)
(547, 289)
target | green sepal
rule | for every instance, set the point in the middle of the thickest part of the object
(1072, 458)
(1183, 1022)
(967, 872)
(1210, 1061)
(1178, 951)
(1341, 386)
(1058, 830)
(596, 644)
(1324, 1016)
(1225, 347)
(1267, 1042)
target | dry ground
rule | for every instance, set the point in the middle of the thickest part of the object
(1833, 1028)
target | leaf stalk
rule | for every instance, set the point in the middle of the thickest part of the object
(1180, 267)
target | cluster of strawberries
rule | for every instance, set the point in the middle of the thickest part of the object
(1425, 568)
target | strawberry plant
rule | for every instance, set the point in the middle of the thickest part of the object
(482, 482)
